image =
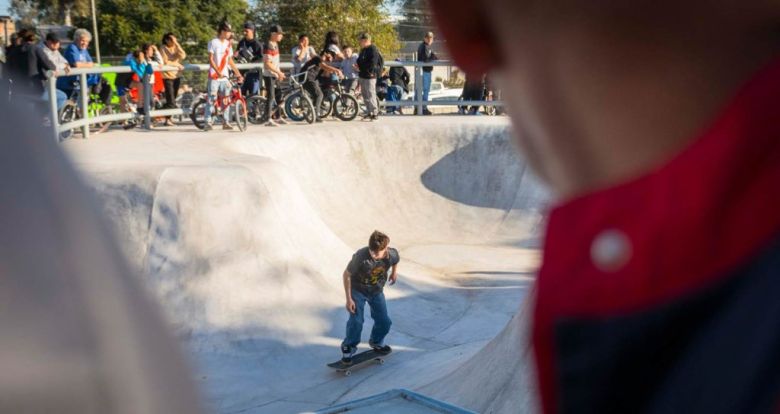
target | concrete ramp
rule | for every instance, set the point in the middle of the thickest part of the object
(243, 238)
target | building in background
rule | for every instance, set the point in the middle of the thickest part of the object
(7, 28)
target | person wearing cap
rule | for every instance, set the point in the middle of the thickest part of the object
(302, 53)
(251, 48)
(59, 65)
(369, 64)
(425, 53)
(220, 57)
(272, 74)
(656, 127)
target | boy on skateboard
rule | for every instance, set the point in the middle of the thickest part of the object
(364, 279)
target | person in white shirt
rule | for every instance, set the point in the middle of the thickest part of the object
(302, 53)
(220, 57)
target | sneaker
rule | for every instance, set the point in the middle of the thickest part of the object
(318, 120)
(129, 125)
(227, 127)
(382, 349)
(374, 117)
(208, 127)
(281, 121)
(427, 112)
(169, 122)
(346, 354)
(271, 123)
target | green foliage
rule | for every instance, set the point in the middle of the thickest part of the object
(126, 24)
(348, 18)
(32, 12)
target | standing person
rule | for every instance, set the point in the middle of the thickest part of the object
(425, 53)
(140, 67)
(332, 43)
(60, 66)
(658, 291)
(252, 50)
(369, 64)
(172, 55)
(272, 74)
(399, 86)
(302, 53)
(348, 68)
(473, 90)
(364, 280)
(78, 56)
(220, 58)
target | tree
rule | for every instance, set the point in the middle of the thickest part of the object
(417, 19)
(33, 12)
(348, 18)
(126, 24)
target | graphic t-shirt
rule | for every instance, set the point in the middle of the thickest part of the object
(369, 275)
(222, 52)
(271, 54)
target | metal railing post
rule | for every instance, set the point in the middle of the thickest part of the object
(84, 104)
(53, 112)
(418, 88)
(147, 101)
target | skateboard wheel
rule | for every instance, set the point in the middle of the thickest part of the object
(347, 373)
(381, 361)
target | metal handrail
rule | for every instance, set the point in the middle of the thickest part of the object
(84, 93)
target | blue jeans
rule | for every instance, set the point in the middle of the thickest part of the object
(217, 87)
(394, 94)
(251, 85)
(426, 77)
(382, 321)
(61, 98)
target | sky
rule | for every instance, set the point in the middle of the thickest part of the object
(4, 4)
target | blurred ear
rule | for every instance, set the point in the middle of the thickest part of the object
(469, 34)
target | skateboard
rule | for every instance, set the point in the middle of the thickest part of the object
(359, 359)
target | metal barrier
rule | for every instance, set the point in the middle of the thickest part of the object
(85, 121)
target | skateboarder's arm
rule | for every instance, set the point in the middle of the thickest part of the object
(348, 291)
(393, 275)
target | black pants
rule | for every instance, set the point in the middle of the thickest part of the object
(171, 91)
(348, 85)
(102, 89)
(314, 90)
(269, 83)
(473, 92)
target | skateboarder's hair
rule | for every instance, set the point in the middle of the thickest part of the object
(378, 241)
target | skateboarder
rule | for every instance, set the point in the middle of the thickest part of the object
(364, 279)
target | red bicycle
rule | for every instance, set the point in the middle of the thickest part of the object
(233, 100)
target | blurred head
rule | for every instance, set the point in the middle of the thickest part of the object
(168, 39)
(328, 55)
(53, 41)
(81, 38)
(249, 30)
(147, 49)
(575, 73)
(276, 33)
(331, 38)
(225, 31)
(347, 49)
(428, 39)
(303, 40)
(377, 244)
(365, 39)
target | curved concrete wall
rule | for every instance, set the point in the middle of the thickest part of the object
(244, 237)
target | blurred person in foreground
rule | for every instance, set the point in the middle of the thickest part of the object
(80, 336)
(657, 127)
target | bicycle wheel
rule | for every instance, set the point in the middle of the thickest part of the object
(255, 106)
(240, 115)
(326, 107)
(198, 114)
(295, 107)
(307, 109)
(67, 114)
(346, 107)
